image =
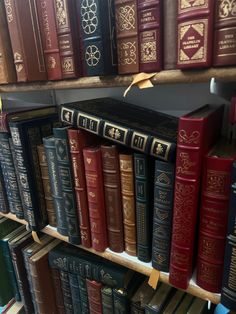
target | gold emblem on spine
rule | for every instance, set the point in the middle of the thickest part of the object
(148, 51)
(89, 160)
(51, 62)
(227, 8)
(67, 65)
(127, 53)
(61, 12)
(92, 55)
(114, 133)
(217, 182)
(192, 138)
(18, 62)
(126, 18)
(186, 164)
(185, 4)
(163, 179)
(89, 16)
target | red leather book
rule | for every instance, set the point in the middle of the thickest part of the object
(225, 33)
(94, 296)
(95, 194)
(47, 23)
(214, 215)
(150, 35)
(198, 131)
(127, 36)
(78, 140)
(22, 18)
(195, 29)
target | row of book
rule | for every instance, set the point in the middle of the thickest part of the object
(52, 277)
(60, 39)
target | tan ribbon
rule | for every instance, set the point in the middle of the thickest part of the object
(35, 237)
(142, 80)
(154, 278)
(0, 104)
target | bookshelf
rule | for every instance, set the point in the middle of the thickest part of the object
(129, 262)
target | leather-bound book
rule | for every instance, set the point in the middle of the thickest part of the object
(195, 33)
(75, 293)
(94, 296)
(83, 295)
(78, 139)
(174, 302)
(214, 207)
(58, 290)
(162, 215)
(150, 26)
(47, 24)
(107, 300)
(127, 36)
(112, 189)
(97, 28)
(225, 34)
(128, 203)
(198, 132)
(4, 206)
(7, 67)
(141, 297)
(159, 300)
(95, 194)
(67, 34)
(66, 291)
(198, 306)
(23, 25)
(185, 304)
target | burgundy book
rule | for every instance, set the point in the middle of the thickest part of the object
(214, 215)
(47, 23)
(95, 194)
(55, 273)
(195, 29)
(94, 296)
(23, 25)
(198, 131)
(150, 35)
(127, 36)
(225, 33)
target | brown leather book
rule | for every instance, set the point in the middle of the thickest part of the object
(112, 189)
(52, 220)
(58, 291)
(127, 36)
(42, 280)
(94, 296)
(128, 202)
(7, 67)
(22, 18)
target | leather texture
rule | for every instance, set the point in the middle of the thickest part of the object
(94, 296)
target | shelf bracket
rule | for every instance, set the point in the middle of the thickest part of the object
(223, 89)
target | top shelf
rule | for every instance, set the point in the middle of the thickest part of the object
(163, 77)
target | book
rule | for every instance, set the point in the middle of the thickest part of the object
(174, 302)
(185, 304)
(66, 292)
(94, 296)
(198, 306)
(141, 297)
(159, 300)
(107, 300)
(83, 295)
(75, 293)
(225, 36)
(142, 129)
(195, 32)
(58, 290)
(23, 25)
(193, 143)
(4, 206)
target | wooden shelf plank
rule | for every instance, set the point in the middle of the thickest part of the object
(163, 77)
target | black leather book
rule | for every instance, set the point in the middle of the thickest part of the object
(75, 293)
(98, 37)
(66, 291)
(107, 300)
(162, 216)
(83, 295)
(4, 206)
(143, 129)
(142, 297)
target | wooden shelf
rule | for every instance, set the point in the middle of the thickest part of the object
(129, 262)
(163, 77)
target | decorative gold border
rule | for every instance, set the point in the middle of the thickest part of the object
(181, 11)
(115, 126)
(141, 135)
(89, 117)
(154, 141)
(72, 116)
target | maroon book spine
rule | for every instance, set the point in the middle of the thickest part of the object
(150, 35)
(94, 296)
(47, 23)
(78, 140)
(95, 194)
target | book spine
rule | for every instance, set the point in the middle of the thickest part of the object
(66, 291)
(4, 206)
(95, 194)
(225, 34)
(112, 189)
(150, 35)
(144, 211)
(127, 36)
(47, 23)
(128, 202)
(83, 295)
(94, 296)
(58, 290)
(77, 141)
(67, 186)
(107, 300)
(121, 302)
(163, 213)
(75, 293)
(55, 183)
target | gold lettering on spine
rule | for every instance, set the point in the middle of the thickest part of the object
(8, 8)
(232, 270)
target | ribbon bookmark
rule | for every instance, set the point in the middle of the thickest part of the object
(142, 80)
(35, 237)
(0, 103)
(154, 278)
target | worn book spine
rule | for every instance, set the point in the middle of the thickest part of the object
(55, 183)
(58, 290)
(113, 201)
(121, 301)
(67, 185)
(107, 300)
(195, 32)
(225, 33)
(127, 36)
(5, 284)
(47, 24)
(150, 24)
(66, 291)
(94, 296)
(83, 295)
(163, 213)
(128, 202)
(78, 139)
(75, 293)
(95, 194)
(4, 206)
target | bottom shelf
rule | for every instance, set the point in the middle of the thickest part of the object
(129, 262)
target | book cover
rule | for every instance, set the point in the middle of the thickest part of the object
(107, 300)
(58, 290)
(141, 298)
(159, 300)
(94, 296)
(66, 292)
(75, 293)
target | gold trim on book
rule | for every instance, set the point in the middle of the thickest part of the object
(92, 118)
(161, 145)
(67, 115)
(141, 135)
(227, 54)
(114, 132)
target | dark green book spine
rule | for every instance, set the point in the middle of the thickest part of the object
(55, 182)
(83, 295)
(121, 302)
(107, 300)
(66, 291)
(65, 173)
(75, 293)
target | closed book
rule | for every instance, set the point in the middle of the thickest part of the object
(193, 143)
(4, 206)
(83, 295)
(141, 297)
(198, 306)
(146, 130)
(112, 190)
(195, 34)
(126, 12)
(58, 290)
(107, 300)
(159, 300)
(185, 304)
(224, 53)
(66, 292)
(95, 194)
(75, 293)
(150, 32)
(23, 25)
(162, 215)
(174, 302)
(98, 39)
(47, 25)
(94, 296)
